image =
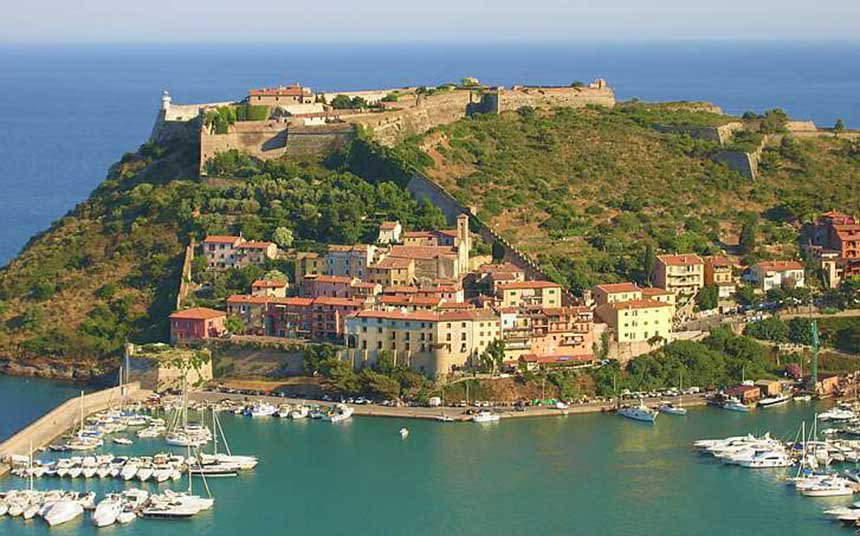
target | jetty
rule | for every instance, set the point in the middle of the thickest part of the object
(63, 418)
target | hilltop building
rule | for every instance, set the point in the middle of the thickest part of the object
(718, 271)
(196, 324)
(767, 275)
(834, 239)
(227, 251)
(681, 274)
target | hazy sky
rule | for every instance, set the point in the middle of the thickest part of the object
(212, 21)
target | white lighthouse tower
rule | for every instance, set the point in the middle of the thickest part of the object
(165, 100)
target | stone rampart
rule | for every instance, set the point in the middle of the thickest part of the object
(551, 97)
(63, 418)
(721, 134)
(274, 138)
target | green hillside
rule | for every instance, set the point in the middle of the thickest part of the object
(586, 190)
(109, 270)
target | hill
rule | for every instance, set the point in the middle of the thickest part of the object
(585, 190)
(109, 270)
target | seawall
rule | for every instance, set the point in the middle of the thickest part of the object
(63, 418)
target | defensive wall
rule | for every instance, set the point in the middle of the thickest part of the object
(63, 418)
(721, 134)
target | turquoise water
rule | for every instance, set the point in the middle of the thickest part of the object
(24, 400)
(586, 474)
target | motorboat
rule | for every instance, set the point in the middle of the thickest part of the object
(129, 470)
(828, 487)
(561, 405)
(844, 511)
(263, 409)
(802, 398)
(773, 401)
(108, 510)
(837, 414)
(671, 409)
(485, 416)
(404, 432)
(242, 462)
(339, 413)
(444, 418)
(733, 404)
(299, 412)
(123, 441)
(639, 413)
(63, 511)
(764, 459)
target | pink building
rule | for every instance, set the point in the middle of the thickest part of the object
(196, 324)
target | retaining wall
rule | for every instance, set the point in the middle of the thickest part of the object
(63, 418)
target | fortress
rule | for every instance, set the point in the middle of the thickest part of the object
(298, 121)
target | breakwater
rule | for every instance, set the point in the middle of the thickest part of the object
(63, 418)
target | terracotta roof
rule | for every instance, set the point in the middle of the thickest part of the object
(612, 288)
(359, 248)
(456, 305)
(503, 276)
(504, 267)
(422, 252)
(363, 284)
(417, 234)
(345, 302)
(680, 260)
(528, 284)
(253, 244)
(400, 290)
(283, 91)
(197, 313)
(388, 225)
(245, 298)
(429, 316)
(222, 239)
(392, 263)
(718, 260)
(409, 300)
(294, 301)
(268, 283)
(332, 279)
(639, 304)
(778, 266)
(652, 291)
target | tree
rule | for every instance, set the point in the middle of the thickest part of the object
(773, 121)
(799, 331)
(283, 237)
(341, 102)
(708, 298)
(493, 356)
(384, 362)
(315, 356)
(769, 329)
(745, 295)
(649, 262)
(380, 384)
(839, 127)
(498, 251)
(276, 275)
(234, 324)
(749, 232)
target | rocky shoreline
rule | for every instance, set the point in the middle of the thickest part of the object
(78, 372)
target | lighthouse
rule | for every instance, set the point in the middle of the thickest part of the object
(165, 100)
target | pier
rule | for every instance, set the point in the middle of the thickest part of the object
(63, 418)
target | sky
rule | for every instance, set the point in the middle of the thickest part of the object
(374, 21)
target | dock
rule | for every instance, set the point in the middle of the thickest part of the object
(63, 418)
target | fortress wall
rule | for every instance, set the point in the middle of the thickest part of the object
(721, 134)
(273, 139)
(550, 97)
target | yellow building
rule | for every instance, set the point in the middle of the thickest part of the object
(680, 274)
(518, 293)
(392, 272)
(616, 292)
(429, 342)
(308, 263)
(638, 320)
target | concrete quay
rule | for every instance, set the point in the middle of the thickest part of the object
(456, 413)
(63, 418)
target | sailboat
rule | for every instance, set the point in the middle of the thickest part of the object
(228, 458)
(82, 441)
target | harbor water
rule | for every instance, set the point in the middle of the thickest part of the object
(579, 474)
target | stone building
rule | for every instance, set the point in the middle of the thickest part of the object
(281, 96)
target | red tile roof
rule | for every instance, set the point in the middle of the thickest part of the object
(651, 291)
(401, 289)
(222, 239)
(504, 267)
(331, 279)
(528, 284)
(639, 304)
(343, 302)
(197, 313)
(393, 263)
(409, 300)
(422, 252)
(388, 225)
(268, 283)
(253, 244)
(778, 266)
(612, 288)
(245, 298)
(680, 260)
(293, 301)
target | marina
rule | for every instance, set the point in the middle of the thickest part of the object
(578, 465)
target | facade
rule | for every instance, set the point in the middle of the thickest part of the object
(251, 309)
(548, 332)
(718, 271)
(281, 96)
(389, 232)
(267, 287)
(543, 293)
(767, 275)
(392, 271)
(638, 320)
(681, 274)
(659, 294)
(432, 343)
(615, 292)
(308, 263)
(226, 251)
(289, 317)
(351, 261)
(196, 324)
(328, 315)
(835, 240)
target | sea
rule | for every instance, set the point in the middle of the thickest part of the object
(570, 475)
(68, 112)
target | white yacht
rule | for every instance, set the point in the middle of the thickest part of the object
(339, 413)
(763, 459)
(108, 510)
(733, 404)
(404, 432)
(299, 412)
(827, 487)
(122, 441)
(837, 414)
(671, 409)
(485, 416)
(263, 409)
(639, 413)
(773, 401)
(63, 511)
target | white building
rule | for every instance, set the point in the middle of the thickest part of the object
(776, 274)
